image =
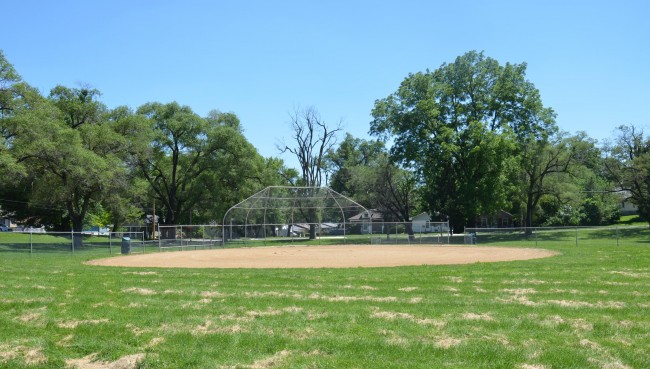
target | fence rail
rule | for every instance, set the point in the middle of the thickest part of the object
(561, 236)
(233, 235)
(37, 242)
(194, 237)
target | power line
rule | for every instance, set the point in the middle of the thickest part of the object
(27, 204)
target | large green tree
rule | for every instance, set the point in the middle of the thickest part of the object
(545, 162)
(457, 127)
(627, 164)
(194, 166)
(363, 170)
(72, 153)
(351, 153)
(17, 99)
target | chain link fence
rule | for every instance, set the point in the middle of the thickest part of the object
(250, 235)
(40, 242)
(559, 236)
(170, 237)
(195, 237)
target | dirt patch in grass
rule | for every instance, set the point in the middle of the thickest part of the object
(155, 342)
(72, 324)
(520, 291)
(393, 315)
(582, 325)
(32, 315)
(140, 291)
(517, 299)
(208, 327)
(474, 316)
(141, 273)
(343, 256)
(66, 341)
(30, 355)
(274, 312)
(631, 274)
(271, 361)
(89, 362)
(317, 296)
(585, 304)
(447, 342)
(454, 279)
(407, 289)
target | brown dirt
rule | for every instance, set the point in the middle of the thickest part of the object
(344, 256)
(88, 362)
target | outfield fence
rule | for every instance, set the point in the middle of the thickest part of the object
(72, 242)
(194, 237)
(558, 236)
(175, 237)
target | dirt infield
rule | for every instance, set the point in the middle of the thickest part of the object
(344, 256)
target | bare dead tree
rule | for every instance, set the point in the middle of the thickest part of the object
(312, 138)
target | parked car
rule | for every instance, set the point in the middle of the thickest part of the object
(4, 228)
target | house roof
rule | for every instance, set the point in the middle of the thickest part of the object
(322, 226)
(422, 217)
(371, 214)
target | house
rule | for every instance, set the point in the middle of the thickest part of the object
(374, 220)
(625, 207)
(422, 224)
(366, 218)
(302, 229)
(502, 219)
(8, 223)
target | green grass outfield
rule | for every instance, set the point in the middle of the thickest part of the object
(586, 308)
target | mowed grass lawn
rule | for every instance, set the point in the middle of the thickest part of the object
(588, 307)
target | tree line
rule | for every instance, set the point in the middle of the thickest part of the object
(469, 138)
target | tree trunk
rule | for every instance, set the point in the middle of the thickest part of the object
(313, 219)
(77, 226)
(409, 231)
(529, 218)
(312, 231)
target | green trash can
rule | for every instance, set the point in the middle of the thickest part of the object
(126, 245)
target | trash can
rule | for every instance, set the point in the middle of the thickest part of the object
(126, 245)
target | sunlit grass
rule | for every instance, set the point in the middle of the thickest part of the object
(585, 308)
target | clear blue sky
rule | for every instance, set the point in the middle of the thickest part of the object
(261, 59)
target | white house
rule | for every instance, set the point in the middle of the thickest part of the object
(625, 206)
(367, 219)
(422, 224)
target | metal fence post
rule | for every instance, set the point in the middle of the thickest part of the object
(31, 244)
(110, 243)
(617, 236)
(72, 239)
